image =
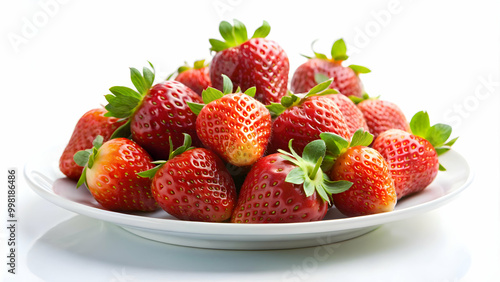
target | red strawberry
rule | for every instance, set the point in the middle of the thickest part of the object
(258, 61)
(154, 114)
(303, 119)
(110, 173)
(91, 124)
(284, 187)
(196, 77)
(194, 185)
(412, 158)
(352, 114)
(345, 79)
(373, 188)
(234, 125)
(382, 115)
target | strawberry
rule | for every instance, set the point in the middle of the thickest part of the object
(303, 119)
(382, 115)
(413, 158)
(196, 77)
(193, 184)
(345, 79)
(284, 187)
(110, 174)
(91, 124)
(234, 125)
(352, 114)
(373, 188)
(154, 113)
(258, 61)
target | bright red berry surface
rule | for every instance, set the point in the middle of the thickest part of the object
(196, 79)
(195, 185)
(91, 124)
(266, 197)
(382, 115)
(352, 114)
(113, 179)
(413, 161)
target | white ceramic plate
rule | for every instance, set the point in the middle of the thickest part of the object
(45, 178)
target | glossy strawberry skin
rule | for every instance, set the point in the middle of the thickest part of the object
(304, 122)
(258, 62)
(195, 185)
(373, 188)
(91, 124)
(382, 115)
(164, 113)
(236, 127)
(352, 114)
(196, 79)
(345, 79)
(113, 179)
(413, 161)
(265, 197)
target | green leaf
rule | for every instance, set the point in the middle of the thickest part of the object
(339, 50)
(309, 187)
(251, 91)
(181, 149)
(227, 85)
(82, 179)
(218, 45)
(320, 56)
(122, 131)
(336, 187)
(328, 162)
(356, 100)
(420, 124)
(320, 87)
(334, 143)
(441, 150)
(150, 173)
(451, 142)
(441, 168)
(313, 151)
(98, 140)
(359, 69)
(288, 157)
(195, 107)
(240, 32)
(227, 32)
(262, 31)
(210, 94)
(296, 176)
(125, 91)
(149, 76)
(438, 134)
(276, 109)
(320, 77)
(361, 138)
(82, 157)
(138, 81)
(199, 64)
(322, 192)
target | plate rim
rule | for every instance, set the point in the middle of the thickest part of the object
(265, 229)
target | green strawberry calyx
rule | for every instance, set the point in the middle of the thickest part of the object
(338, 54)
(292, 100)
(173, 153)
(123, 101)
(86, 158)
(211, 94)
(198, 65)
(437, 134)
(337, 145)
(235, 35)
(309, 173)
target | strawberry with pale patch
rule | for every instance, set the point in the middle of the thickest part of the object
(373, 189)
(345, 79)
(111, 174)
(285, 187)
(413, 157)
(193, 184)
(234, 125)
(255, 62)
(91, 124)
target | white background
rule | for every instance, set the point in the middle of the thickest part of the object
(58, 60)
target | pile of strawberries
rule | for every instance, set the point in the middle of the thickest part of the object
(228, 141)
